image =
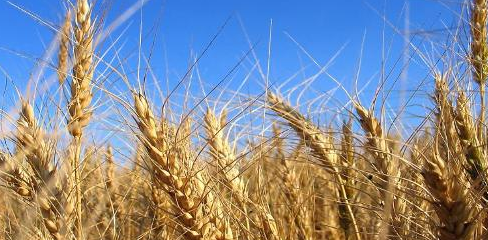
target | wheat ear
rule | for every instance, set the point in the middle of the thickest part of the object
(451, 201)
(81, 96)
(63, 49)
(377, 146)
(114, 206)
(347, 157)
(291, 181)
(479, 49)
(224, 156)
(31, 142)
(320, 144)
(222, 153)
(479, 53)
(468, 139)
(186, 194)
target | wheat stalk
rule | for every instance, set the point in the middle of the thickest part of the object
(347, 157)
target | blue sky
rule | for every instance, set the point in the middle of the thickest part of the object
(184, 26)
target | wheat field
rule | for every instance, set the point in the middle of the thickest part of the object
(230, 165)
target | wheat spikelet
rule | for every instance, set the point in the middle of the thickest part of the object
(12, 170)
(445, 124)
(30, 141)
(313, 137)
(268, 224)
(347, 157)
(110, 168)
(114, 207)
(226, 161)
(479, 54)
(223, 154)
(19, 181)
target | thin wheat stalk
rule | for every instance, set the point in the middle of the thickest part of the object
(347, 157)
(114, 206)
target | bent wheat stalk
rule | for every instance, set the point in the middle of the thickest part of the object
(320, 145)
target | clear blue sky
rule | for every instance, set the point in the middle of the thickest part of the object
(321, 27)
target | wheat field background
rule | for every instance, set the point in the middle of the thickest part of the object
(85, 157)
